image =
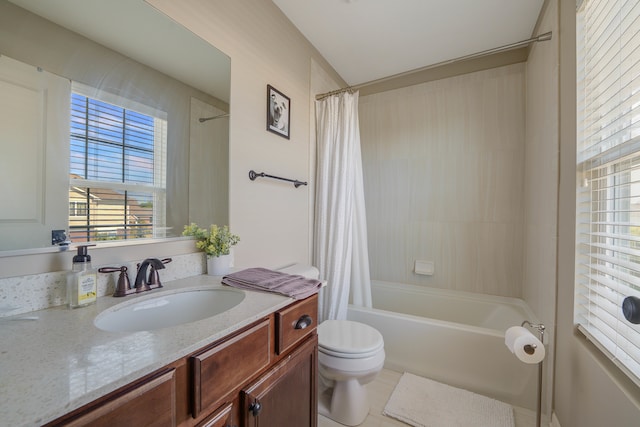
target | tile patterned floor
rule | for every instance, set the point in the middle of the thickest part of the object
(379, 392)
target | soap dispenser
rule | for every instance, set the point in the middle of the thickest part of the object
(82, 282)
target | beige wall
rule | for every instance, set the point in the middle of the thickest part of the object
(588, 390)
(443, 169)
(271, 217)
(541, 186)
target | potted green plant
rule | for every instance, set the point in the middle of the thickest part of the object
(216, 242)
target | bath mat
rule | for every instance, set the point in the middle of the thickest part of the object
(422, 402)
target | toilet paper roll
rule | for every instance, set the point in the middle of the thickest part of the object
(521, 342)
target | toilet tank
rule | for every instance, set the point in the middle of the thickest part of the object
(305, 270)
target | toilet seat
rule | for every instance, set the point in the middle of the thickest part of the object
(348, 339)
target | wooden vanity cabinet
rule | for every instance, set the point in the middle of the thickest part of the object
(271, 363)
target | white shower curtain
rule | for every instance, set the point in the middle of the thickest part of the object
(340, 232)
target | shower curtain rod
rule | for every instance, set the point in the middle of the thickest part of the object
(540, 38)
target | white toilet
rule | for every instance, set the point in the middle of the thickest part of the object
(350, 355)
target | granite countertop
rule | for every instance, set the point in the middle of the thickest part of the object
(61, 361)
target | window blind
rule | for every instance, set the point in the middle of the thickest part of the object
(608, 184)
(117, 171)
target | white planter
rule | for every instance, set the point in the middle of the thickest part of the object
(219, 265)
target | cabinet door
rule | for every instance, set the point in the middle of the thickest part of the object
(286, 394)
(150, 403)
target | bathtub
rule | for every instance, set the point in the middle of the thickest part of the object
(452, 337)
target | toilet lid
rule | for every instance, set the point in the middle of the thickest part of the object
(349, 339)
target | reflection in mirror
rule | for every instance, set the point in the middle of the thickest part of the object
(100, 124)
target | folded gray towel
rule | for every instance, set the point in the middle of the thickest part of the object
(263, 279)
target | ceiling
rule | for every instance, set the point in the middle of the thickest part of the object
(367, 40)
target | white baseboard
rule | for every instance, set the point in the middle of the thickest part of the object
(554, 421)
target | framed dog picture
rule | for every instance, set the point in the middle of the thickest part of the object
(278, 112)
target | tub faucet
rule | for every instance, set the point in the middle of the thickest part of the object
(141, 283)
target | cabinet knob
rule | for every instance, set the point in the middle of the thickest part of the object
(255, 408)
(303, 322)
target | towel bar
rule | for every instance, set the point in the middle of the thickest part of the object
(253, 175)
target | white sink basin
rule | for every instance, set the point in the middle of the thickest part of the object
(168, 309)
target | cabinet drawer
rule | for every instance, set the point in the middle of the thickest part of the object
(221, 369)
(296, 322)
(150, 403)
(223, 417)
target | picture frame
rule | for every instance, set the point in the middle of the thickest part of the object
(278, 112)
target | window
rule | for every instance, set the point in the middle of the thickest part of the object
(117, 168)
(608, 190)
(78, 208)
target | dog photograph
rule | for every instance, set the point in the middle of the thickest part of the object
(278, 112)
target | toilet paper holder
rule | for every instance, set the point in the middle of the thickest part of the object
(530, 349)
(539, 326)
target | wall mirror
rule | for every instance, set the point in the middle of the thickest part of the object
(114, 124)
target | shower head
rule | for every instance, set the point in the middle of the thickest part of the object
(204, 119)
